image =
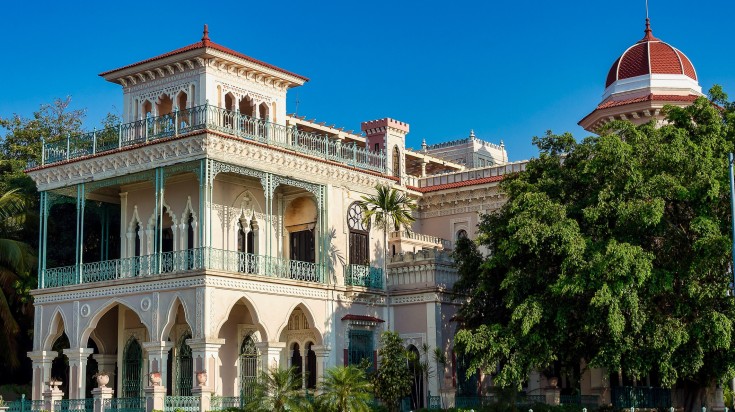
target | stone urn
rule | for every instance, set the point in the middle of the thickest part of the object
(202, 378)
(103, 378)
(553, 381)
(54, 384)
(155, 378)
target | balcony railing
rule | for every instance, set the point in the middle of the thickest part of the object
(366, 276)
(180, 261)
(640, 397)
(404, 234)
(209, 117)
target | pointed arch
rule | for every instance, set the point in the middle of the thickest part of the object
(245, 200)
(168, 211)
(318, 336)
(264, 333)
(171, 317)
(94, 320)
(56, 327)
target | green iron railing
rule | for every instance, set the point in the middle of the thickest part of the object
(587, 401)
(640, 397)
(124, 405)
(209, 117)
(220, 403)
(366, 276)
(25, 405)
(184, 260)
(80, 405)
(181, 403)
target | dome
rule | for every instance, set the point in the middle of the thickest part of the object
(650, 56)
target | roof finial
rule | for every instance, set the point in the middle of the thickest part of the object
(205, 35)
(648, 31)
(472, 133)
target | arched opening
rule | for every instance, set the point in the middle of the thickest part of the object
(136, 235)
(229, 101)
(300, 220)
(249, 367)
(182, 103)
(184, 366)
(246, 106)
(60, 364)
(296, 360)
(264, 110)
(465, 386)
(147, 109)
(396, 162)
(132, 373)
(246, 240)
(165, 105)
(416, 368)
(461, 234)
(310, 366)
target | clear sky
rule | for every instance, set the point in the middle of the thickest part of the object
(509, 70)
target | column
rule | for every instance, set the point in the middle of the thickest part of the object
(81, 197)
(106, 363)
(157, 353)
(205, 355)
(203, 183)
(124, 236)
(157, 238)
(322, 356)
(41, 236)
(41, 371)
(423, 167)
(78, 371)
(270, 354)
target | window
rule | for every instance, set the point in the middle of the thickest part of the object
(302, 246)
(132, 369)
(361, 347)
(461, 234)
(248, 368)
(359, 237)
(184, 367)
(377, 147)
(396, 162)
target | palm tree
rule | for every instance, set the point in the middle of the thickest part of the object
(278, 390)
(345, 389)
(16, 260)
(387, 209)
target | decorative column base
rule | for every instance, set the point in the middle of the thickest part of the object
(101, 396)
(50, 396)
(155, 398)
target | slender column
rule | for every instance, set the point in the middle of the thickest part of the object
(270, 354)
(47, 211)
(322, 356)
(78, 371)
(80, 230)
(124, 225)
(157, 238)
(205, 355)
(43, 217)
(41, 371)
(157, 353)
(423, 168)
(203, 182)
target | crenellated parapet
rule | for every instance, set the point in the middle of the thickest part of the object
(423, 269)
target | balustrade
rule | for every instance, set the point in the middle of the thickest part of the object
(209, 117)
(124, 405)
(181, 403)
(184, 260)
(366, 276)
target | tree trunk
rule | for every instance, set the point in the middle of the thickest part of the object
(693, 396)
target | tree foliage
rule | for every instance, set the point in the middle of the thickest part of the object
(393, 379)
(277, 390)
(345, 389)
(614, 250)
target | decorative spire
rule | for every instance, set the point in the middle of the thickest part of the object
(423, 144)
(472, 133)
(205, 35)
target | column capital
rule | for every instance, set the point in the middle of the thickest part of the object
(270, 345)
(42, 355)
(205, 344)
(78, 352)
(163, 345)
(320, 350)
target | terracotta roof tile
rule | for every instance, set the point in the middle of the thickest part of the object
(208, 44)
(479, 181)
(650, 97)
(688, 68)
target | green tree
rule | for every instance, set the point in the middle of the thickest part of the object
(614, 250)
(393, 378)
(277, 390)
(16, 261)
(345, 389)
(51, 122)
(387, 209)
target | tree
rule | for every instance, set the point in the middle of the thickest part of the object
(345, 389)
(51, 122)
(388, 208)
(614, 250)
(393, 378)
(277, 390)
(16, 261)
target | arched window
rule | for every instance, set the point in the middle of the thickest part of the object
(246, 245)
(132, 369)
(310, 366)
(248, 368)
(359, 236)
(461, 234)
(184, 367)
(296, 361)
(396, 162)
(136, 235)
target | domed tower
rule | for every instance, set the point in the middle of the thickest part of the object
(647, 76)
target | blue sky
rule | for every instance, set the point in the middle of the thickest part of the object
(509, 70)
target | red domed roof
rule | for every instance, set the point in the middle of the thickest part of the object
(650, 56)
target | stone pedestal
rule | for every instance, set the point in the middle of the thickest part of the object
(553, 395)
(154, 398)
(41, 371)
(205, 398)
(50, 396)
(101, 396)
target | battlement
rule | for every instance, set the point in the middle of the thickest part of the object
(380, 125)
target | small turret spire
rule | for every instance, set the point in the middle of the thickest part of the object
(205, 34)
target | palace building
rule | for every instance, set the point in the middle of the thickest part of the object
(214, 232)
